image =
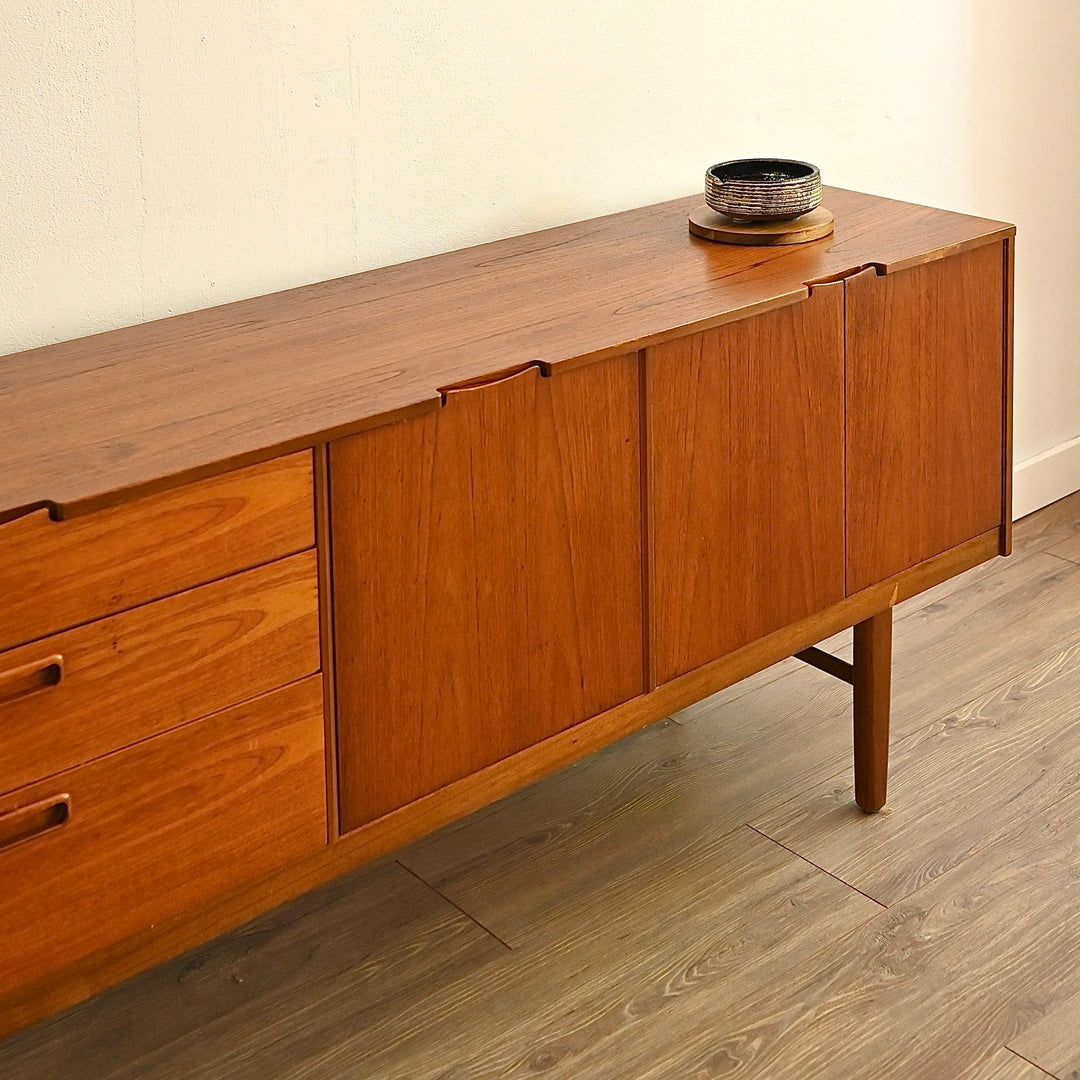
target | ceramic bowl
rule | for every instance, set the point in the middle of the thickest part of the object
(763, 189)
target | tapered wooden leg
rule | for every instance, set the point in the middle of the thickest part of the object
(872, 664)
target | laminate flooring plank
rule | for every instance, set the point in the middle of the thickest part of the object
(1003, 1064)
(1053, 524)
(687, 935)
(254, 1001)
(549, 854)
(695, 930)
(926, 989)
(952, 650)
(1053, 1042)
(956, 785)
(1067, 549)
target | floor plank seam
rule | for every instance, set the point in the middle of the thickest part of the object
(1063, 558)
(810, 862)
(427, 885)
(1054, 1076)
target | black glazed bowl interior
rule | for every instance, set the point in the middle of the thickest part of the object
(763, 189)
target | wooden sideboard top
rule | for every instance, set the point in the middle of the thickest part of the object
(86, 423)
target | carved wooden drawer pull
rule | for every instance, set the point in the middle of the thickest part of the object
(38, 818)
(30, 678)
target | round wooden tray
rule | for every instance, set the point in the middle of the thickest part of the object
(710, 225)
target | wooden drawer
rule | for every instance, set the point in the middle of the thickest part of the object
(58, 574)
(158, 828)
(155, 667)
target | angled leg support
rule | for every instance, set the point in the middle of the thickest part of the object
(870, 675)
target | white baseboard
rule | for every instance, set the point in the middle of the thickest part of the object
(1046, 477)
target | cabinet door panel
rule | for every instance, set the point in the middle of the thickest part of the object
(746, 478)
(487, 566)
(924, 411)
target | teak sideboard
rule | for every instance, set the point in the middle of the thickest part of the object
(289, 582)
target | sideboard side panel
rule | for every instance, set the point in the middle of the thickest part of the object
(925, 364)
(746, 445)
(487, 570)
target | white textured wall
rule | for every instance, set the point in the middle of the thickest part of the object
(163, 155)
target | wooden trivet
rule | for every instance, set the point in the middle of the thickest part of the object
(710, 225)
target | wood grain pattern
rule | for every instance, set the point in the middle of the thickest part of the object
(487, 569)
(960, 784)
(166, 939)
(390, 1015)
(1003, 1064)
(1016, 610)
(871, 700)
(157, 666)
(710, 225)
(925, 355)
(746, 441)
(357, 948)
(1054, 528)
(1068, 548)
(1008, 251)
(58, 574)
(1053, 1041)
(321, 456)
(161, 826)
(85, 422)
(763, 977)
(926, 988)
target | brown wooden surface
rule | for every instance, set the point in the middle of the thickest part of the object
(654, 934)
(160, 665)
(84, 421)
(321, 456)
(1005, 1065)
(58, 574)
(708, 224)
(1053, 1041)
(34, 1000)
(959, 784)
(871, 697)
(1008, 251)
(746, 440)
(162, 826)
(825, 661)
(487, 571)
(925, 356)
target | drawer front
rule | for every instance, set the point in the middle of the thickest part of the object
(58, 574)
(80, 694)
(111, 848)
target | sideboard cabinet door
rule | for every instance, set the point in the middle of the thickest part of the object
(746, 446)
(487, 578)
(925, 369)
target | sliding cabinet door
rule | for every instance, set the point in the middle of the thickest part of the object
(487, 578)
(925, 415)
(746, 447)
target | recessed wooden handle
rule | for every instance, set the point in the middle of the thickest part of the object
(30, 678)
(485, 382)
(38, 818)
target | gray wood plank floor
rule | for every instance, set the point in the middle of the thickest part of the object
(701, 900)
